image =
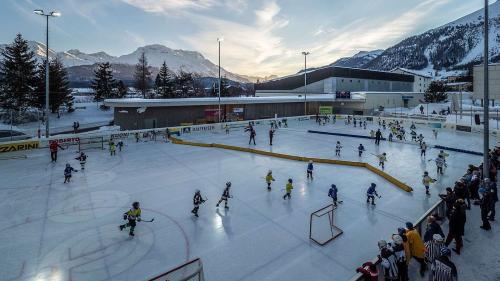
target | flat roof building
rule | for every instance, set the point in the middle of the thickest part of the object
(494, 82)
(332, 79)
(421, 82)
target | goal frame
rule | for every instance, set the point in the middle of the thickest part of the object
(335, 231)
(198, 273)
(86, 143)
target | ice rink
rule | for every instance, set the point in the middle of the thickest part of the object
(56, 231)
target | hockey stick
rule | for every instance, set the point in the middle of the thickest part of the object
(151, 220)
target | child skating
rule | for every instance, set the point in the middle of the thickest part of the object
(132, 216)
(269, 179)
(83, 159)
(288, 189)
(197, 201)
(338, 148)
(310, 169)
(371, 193)
(332, 193)
(423, 149)
(112, 148)
(426, 181)
(361, 148)
(67, 173)
(382, 158)
(225, 195)
(440, 163)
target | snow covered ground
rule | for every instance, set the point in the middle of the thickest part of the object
(87, 113)
(56, 231)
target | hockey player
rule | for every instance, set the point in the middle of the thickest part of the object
(226, 127)
(132, 216)
(197, 201)
(225, 195)
(332, 193)
(310, 169)
(372, 134)
(288, 189)
(423, 149)
(364, 125)
(361, 148)
(269, 179)
(83, 159)
(252, 135)
(426, 181)
(120, 145)
(420, 138)
(378, 137)
(382, 158)
(137, 137)
(112, 148)
(413, 135)
(440, 163)
(371, 193)
(354, 122)
(413, 127)
(444, 155)
(67, 173)
(338, 147)
(271, 135)
(390, 136)
(435, 133)
(53, 146)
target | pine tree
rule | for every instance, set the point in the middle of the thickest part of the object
(59, 92)
(121, 90)
(184, 84)
(436, 92)
(103, 82)
(142, 75)
(164, 83)
(17, 75)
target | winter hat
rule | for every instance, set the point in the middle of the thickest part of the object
(445, 251)
(437, 237)
(373, 184)
(334, 186)
(449, 189)
(409, 225)
(401, 231)
(397, 239)
(382, 244)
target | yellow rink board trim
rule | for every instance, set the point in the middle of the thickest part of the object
(379, 172)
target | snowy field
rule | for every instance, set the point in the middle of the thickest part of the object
(56, 231)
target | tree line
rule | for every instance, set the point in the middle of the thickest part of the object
(22, 80)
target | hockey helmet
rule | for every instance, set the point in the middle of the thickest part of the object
(228, 184)
(135, 204)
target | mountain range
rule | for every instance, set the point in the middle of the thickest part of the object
(447, 50)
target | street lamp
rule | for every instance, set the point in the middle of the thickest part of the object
(486, 102)
(51, 14)
(305, 81)
(219, 40)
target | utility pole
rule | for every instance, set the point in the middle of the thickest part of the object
(218, 112)
(486, 102)
(305, 81)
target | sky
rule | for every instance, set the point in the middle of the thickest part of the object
(261, 37)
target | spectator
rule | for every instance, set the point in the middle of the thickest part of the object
(369, 271)
(456, 228)
(494, 200)
(485, 203)
(433, 228)
(433, 248)
(443, 269)
(401, 260)
(388, 261)
(417, 248)
(449, 199)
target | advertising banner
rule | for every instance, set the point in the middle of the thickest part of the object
(17, 146)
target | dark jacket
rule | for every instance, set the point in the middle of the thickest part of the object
(457, 223)
(432, 228)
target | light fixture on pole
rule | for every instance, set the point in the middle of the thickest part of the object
(51, 14)
(219, 40)
(305, 81)
(486, 99)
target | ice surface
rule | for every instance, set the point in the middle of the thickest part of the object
(56, 231)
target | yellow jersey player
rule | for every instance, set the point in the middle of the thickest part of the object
(132, 216)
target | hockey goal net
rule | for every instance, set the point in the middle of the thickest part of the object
(91, 143)
(321, 227)
(189, 271)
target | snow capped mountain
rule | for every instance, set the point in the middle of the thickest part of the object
(176, 60)
(358, 60)
(448, 49)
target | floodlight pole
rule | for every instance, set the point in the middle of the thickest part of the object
(305, 81)
(486, 99)
(218, 112)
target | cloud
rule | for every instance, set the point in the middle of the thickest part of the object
(136, 38)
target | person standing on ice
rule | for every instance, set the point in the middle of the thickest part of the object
(361, 148)
(225, 195)
(83, 159)
(310, 169)
(338, 147)
(371, 193)
(120, 145)
(378, 137)
(382, 158)
(435, 133)
(67, 173)
(269, 179)
(444, 155)
(132, 216)
(364, 125)
(332, 193)
(440, 163)
(423, 149)
(197, 201)
(252, 135)
(426, 181)
(413, 135)
(53, 146)
(288, 190)
(112, 148)
(271, 135)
